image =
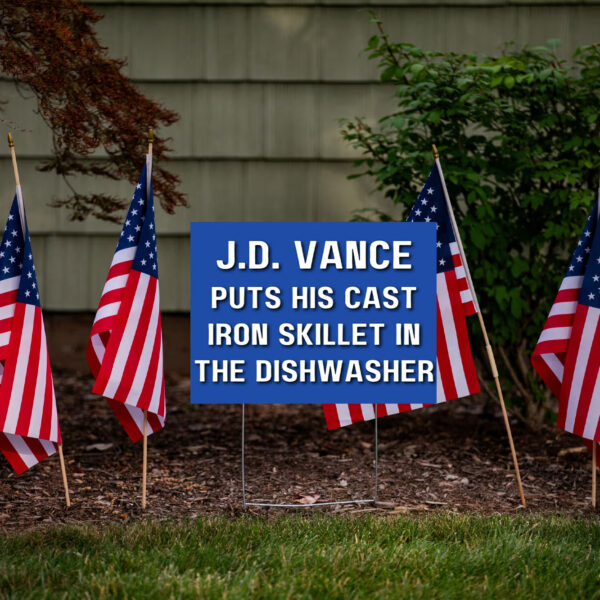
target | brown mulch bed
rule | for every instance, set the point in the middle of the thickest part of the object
(452, 457)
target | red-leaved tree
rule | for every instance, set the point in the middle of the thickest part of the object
(51, 49)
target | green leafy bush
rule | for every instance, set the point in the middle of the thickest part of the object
(519, 141)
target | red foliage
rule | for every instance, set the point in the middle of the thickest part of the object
(51, 48)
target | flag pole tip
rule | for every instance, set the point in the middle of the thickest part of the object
(434, 149)
(11, 142)
(150, 136)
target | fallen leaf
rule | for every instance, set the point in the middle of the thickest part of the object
(574, 450)
(306, 499)
(100, 447)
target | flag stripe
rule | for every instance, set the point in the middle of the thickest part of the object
(130, 352)
(24, 315)
(146, 349)
(115, 340)
(129, 331)
(450, 336)
(446, 380)
(31, 377)
(39, 393)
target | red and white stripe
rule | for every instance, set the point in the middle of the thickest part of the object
(466, 297)
(110, 302)
(25, 451)
(131, 363)
(549, 355)
(456, 376)
(579, 408)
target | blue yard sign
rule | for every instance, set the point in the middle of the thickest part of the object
(313, 313)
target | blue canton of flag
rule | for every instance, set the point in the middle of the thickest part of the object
(431, 206)
(11, 252)
(586, 261)
(139, 228)
(28, 288)
(16, 258)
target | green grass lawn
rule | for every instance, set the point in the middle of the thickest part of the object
(316, 556)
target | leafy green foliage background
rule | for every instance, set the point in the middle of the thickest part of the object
(518, 136)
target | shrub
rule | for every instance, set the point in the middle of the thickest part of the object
(519, 139)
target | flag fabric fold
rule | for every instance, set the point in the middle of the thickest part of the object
(567, 354)
(455, 374)
(125, 351)
(29, 430)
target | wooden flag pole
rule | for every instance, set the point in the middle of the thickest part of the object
(11, 145)
(488, 347)
(145, 459)
(64, 474)
(594, 472)
(145, 443)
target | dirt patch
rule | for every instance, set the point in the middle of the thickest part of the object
(451, 457)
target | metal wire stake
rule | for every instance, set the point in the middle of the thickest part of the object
(376, 452)
(244, 455)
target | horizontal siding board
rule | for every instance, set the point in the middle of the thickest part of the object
(32, 136)
(162, 43)
(284, 43)
(291, 116)
(338, 197)
(368, 101)
(84, 263)
(218, 191)
(226, 40)
(227, 121)
(236, 120)
(309, 42)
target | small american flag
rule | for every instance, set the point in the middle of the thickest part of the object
(125, 350)
(456, 375)
(567, 354)
(29, 430)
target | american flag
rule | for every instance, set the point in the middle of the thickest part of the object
(567, 354)
(125, 350)
(456, 375)
(29, 430)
